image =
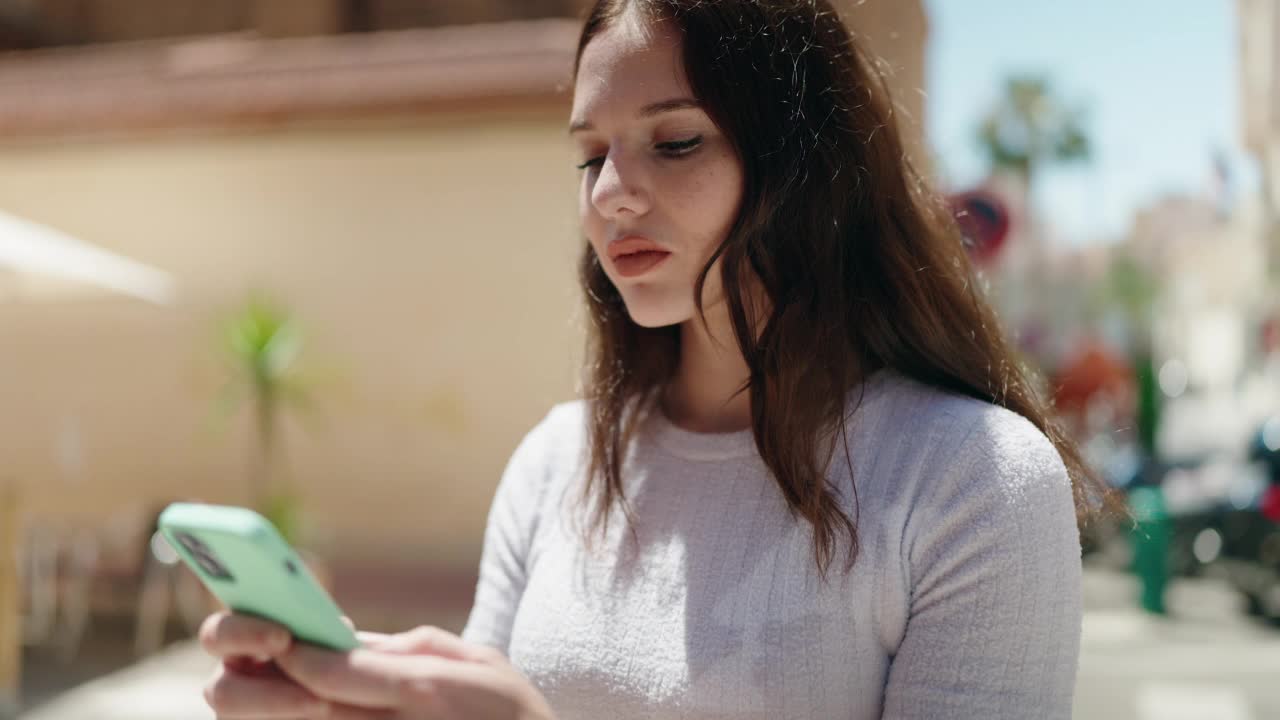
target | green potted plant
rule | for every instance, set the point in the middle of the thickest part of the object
(260, 343)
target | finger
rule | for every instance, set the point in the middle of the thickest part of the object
(226, 634)
(369, 639)
(364, 678)
(428, 640)
(234, 697)
(364, 637)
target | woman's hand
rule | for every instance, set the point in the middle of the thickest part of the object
(416, 675)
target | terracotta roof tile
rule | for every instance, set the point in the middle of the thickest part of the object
(242, 79)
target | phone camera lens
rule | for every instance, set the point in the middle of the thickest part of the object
(288, 565)
(204, 556)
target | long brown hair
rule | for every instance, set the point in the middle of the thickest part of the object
(861, 261)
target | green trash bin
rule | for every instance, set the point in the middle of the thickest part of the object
(1150, 536)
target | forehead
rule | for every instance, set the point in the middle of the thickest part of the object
(629, 64)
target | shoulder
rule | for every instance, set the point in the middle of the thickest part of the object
(554, 441)
(949, 450)
(970, 481)
(541, 458)
(566, 417)
(963, 429)
(564, 426)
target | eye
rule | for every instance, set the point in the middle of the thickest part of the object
(678, 148)
(675, 148)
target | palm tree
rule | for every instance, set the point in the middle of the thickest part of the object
(1029, 128)
(261, 343)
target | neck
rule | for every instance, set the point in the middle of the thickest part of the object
(703, 396)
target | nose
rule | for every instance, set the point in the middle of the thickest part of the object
(620, 187)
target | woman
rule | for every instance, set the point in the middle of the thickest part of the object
(808, 480)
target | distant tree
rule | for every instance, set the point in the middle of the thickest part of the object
(1030, 128)
(260, 343)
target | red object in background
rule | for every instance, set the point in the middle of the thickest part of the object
(1271, 503)
(1091, 371)
(984, 222)
(1271, 334)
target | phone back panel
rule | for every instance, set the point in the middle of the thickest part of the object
(254, 571)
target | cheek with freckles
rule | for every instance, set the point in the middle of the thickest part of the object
(693, 205)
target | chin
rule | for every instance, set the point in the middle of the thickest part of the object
(652, 315)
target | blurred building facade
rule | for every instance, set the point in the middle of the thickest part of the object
(1259, 62)
(397, 173)
(1211, 271)
(47, 23)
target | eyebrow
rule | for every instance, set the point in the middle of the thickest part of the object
(647, 111)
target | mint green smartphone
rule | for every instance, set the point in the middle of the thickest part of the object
(245, 563)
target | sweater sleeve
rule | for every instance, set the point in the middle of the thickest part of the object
(509, 532)
(994, 555)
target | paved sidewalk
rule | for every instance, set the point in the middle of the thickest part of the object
(1206, 661)
(166, 686)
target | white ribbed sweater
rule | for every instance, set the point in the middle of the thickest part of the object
(965, 601)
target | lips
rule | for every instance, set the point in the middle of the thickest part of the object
(634, 244)
(634, 256)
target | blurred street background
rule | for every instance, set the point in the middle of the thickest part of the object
(317, 257)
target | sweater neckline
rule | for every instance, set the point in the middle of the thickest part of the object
(699, 445)
(693, 445)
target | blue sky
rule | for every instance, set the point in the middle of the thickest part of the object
(1159, 79)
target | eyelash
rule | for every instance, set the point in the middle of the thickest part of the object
(674, 149)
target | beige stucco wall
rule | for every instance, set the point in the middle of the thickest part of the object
(432, 261)
(896, 33)
(431, 257)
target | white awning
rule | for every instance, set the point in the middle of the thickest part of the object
(39, 263)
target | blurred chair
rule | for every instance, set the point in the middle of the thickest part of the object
(81, 554)
(70, 574)
(167, 584)
(59, 570)
(40, 570)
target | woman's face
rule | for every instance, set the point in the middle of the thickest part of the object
(661, 184)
